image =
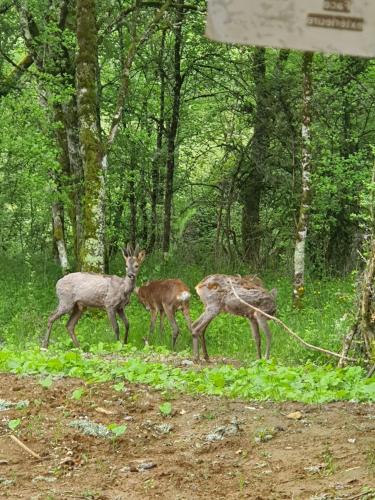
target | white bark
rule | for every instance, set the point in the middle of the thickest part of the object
(58, 233)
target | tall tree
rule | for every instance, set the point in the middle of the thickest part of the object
(178, 79)
(254, 162)
(93, 251)
(306, 166)
(158, 154)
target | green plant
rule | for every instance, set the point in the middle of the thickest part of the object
(14, 424)
(119, 387)
(46, 382)
(263, 435)
(77, 394)
(117, 430)
(329, 460)
(165, 409)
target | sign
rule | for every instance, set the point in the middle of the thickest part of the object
(334, 26)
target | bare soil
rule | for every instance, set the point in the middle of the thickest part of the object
(328, 453)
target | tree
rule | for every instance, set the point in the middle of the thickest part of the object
(93, 250)
(306, 166)
(178, 79)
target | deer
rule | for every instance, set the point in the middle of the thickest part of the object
(81, 290)
(165, 297)
(216, 293)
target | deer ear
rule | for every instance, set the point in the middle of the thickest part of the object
(136, 250)
(125, 253)
(141, 256)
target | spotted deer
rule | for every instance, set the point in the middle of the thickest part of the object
(165, 297)
(78, 291)
(217, 295)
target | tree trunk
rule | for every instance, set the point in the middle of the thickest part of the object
(364, 326)
(299, 252)
(143, 234)
(132, 201)
(76, 184)
(92, 251)
(172, 132)
(157, 159)
(251, 190)
(58, 235)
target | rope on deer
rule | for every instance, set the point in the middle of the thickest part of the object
(277, 320)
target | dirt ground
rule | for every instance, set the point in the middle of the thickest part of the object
(325, 452)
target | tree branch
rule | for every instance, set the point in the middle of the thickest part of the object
(124, 87)
(277, 320)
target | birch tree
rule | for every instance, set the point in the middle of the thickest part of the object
(306, 166)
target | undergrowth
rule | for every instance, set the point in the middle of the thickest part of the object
(259, 380)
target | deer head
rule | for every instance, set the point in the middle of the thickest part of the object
(133, 259)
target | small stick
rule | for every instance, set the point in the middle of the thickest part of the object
(371, 372)
(306, 344)
(22, 445)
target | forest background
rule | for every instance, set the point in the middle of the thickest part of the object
(120, 122)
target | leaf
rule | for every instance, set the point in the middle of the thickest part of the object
(77, 393)
(117, 430)
(46, 382)
(165, 409)
(119, 387)
(13, 424)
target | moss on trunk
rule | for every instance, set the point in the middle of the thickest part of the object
(92, 250)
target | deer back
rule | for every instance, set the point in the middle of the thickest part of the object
(93, 290)
(170, 292)
(216, 291)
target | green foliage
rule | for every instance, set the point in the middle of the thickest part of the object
(77, 394)
(117, 430)
(27, 297)
(46, 382)
(165, 409)
(13, 424)
(259, 380)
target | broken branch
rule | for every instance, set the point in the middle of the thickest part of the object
(277, 320)
(26, 448)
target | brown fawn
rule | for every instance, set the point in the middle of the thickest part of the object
(77, 291)
(165, 297)
(217, 295)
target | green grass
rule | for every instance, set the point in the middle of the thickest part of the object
(27, 297)
(259, 380)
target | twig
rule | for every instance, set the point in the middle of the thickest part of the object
(306, 344)
(26, 448)
(371, 372)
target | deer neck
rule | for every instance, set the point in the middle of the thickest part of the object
(129, 284)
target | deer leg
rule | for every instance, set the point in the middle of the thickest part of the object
(173, 323)
(198, 330)
(112, 318)
(255, 330)
(161, 324)
(125, 320)
(154, 315)
(72, 321)
(60, 311)
(186, 313)
(204, 348)
(263, 323)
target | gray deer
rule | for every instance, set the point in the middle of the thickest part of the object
(217, 295)
(77, 291)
